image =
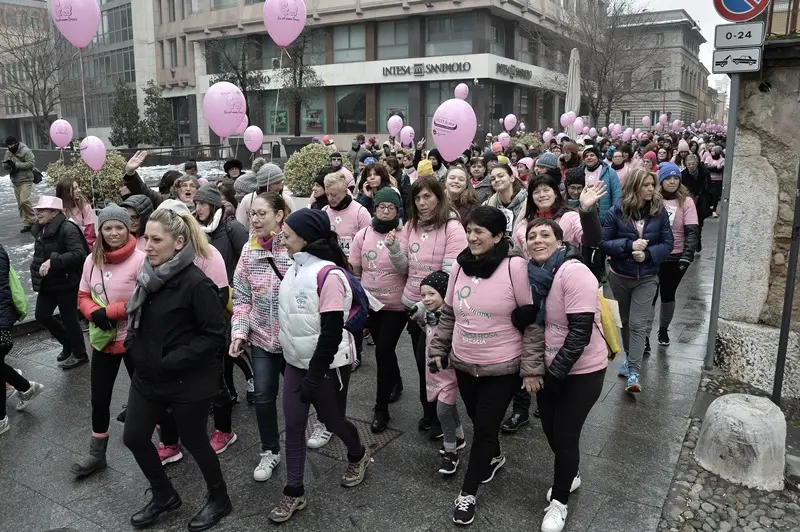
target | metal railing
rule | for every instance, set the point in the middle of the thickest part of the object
(782, 18)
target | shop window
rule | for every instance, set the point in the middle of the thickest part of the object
(449, 34)
(349, 44)
(393, 39)
(223, 4)
(312, 116)
(392, 100)
(351, 109)
(497, 45)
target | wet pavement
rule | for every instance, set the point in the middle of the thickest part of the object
(630, 446)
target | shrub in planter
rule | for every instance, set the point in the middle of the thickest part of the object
(304, 165)
(100, 187)
(526, 140)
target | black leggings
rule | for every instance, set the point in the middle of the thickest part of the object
(669, 278)
(67, 331)
(244, 364)
(223, 413)
(105, 367)
(418, 343)
(386, 327)
(563, 412)
(190, 418)
(14, 379)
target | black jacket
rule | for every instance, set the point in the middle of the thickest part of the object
(8, 316)
(180, 340)
(700, 188)
(136, 185)
(229, 238)
(63, 243)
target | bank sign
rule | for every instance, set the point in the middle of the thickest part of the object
(422, 69)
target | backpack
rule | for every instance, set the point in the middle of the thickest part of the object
(18, 299)
(359, 310)
(60, 236)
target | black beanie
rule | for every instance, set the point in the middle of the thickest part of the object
(591, 149)
(438, 281)
(575, 176)
(310, 225)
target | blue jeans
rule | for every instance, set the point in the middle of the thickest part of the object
(267, 368)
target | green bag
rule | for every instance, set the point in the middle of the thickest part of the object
(99, 338)
(18, 298)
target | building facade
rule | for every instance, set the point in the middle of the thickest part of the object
(375, 60)
(672, 80)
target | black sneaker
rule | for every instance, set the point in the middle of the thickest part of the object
(514, 422)
(663, 336)
(536, 414)
(647, 346)
(397, 391)
(424, 424)
(496, 463)
(63, 355)
(436, 431)
(449, 464)
(73, 361)
(464, 512)
(460, 444)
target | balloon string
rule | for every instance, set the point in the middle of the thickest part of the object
(85, 114)
(277, 96)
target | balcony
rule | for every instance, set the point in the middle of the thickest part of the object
(782, 18)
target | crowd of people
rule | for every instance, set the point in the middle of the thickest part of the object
(493, 264)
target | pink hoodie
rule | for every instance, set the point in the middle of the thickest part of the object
(378, 277)
(347, 222)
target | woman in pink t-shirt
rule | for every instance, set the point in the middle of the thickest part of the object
(576, 357)
(77, 208)
(369, 258)
(479, 339)
(434, 238)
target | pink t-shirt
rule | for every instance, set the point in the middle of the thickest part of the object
(426, 251)
(623, 172)
(594, 176)
(378, 276)
(570, 223)
(348, 222)
(483, 332)
(574, 290)
(86, 221)
(332, 294)
(678, 218)
(214, 268)
(442, 385)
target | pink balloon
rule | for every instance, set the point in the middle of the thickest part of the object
(659, 127)
(522, 126)
(637, 131)
(547, 137)
(617, 129)
(284, 20)
(592, 132)
(224, 108)
(626, 135)
(453, 126)
(504, 139)
(500, 121)
(646, 121)
(566, 120)
(407, 135)
(578, 124)
(662, 119)
(394, 125)
(77, 20)
(243, 126)
(93, 152)
(61, 133)
(253, 138)
(510, 122)
(462, 91)
(604, 130)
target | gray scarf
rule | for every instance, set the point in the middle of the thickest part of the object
(151, 280)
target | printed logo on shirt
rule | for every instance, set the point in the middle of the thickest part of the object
(476, 338)
(671, 211)
(509, 220)
(463, 294)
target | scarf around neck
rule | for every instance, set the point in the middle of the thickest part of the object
(345, 203)
(152, 279)
(215, 221)
(483, 266)
(383, 226)
(541, 279)
(595, 167)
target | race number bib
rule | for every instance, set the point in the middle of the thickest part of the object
(509, 220)
(345, 242)
(671, 210)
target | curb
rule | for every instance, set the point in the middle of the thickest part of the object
(26, 327)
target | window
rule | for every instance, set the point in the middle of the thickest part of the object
(183, 8)
(449, 35)
(654, 117)
(349, 44)
(657, 79)
(528, 50)
(313, 115)
(172, 44)
(659, 39)
(497, 44)
(171, 10)
(523, 101)
(392, 100)
(626, 118)
(314, 53)
(162, 54)
(185, 53)
(351, 109)
(223, 4)
(393, 39)
(116, 26)
(159, 11)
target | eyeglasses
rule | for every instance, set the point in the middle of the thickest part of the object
(575, 188)
(388, 207)
(259, 215)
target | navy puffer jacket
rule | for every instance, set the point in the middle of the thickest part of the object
(620, 234)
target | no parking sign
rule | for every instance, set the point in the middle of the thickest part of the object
(740, 10)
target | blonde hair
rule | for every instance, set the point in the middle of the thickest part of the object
(186, 226)
(468, 197)
(180, 181)
(334, 179)
(681, 194)
(632, 204)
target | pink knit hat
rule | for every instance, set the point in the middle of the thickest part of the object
(50, 202)
(683, 146)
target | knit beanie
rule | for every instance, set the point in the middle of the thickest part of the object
(208, 194)
(386, 195)
(269, 174)
(438, 281)
(570, 146)
(547, 160)
(310, 224)
(435, 153)
(666, 170)
(527, 161)
(575, 176)
(592, 149)
(497, 147)
(425, 168)
(114, 212)
(683, 146)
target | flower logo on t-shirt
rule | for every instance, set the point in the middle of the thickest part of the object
(463, 294)
(380, 244)
(475, 279)
(371, 255)
(107, 276)
(423, 237)
(338, 220)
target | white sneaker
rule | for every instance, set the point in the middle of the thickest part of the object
(269, 461)
(576, 483)
(555, 517)
(10, 390)
(320, 436)
(5, 424)
(26, 397)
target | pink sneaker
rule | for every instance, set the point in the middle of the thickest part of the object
(221, 440)
(169, 453)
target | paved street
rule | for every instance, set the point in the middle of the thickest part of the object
(630, 447)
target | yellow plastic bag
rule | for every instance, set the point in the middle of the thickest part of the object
(609, 327)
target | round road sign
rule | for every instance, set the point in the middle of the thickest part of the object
(740, 10)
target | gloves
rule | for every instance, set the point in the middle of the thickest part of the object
(683, 264)
(417, 313)
(100, 319)
(10, 165)
(523, 316)
(310, 385)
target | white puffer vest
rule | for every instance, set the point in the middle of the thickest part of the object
(299, 316)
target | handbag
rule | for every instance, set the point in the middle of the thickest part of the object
(608, 327)
(98, 338)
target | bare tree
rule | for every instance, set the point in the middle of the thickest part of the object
(299, 82)
(238, 61)
(617, 48)
(34, 57)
